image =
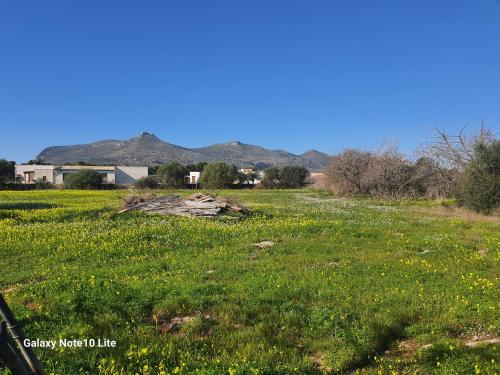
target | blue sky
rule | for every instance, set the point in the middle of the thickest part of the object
(283, 74)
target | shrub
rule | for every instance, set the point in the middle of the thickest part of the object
(7, 170)
(293, 177)
(431, 180)
(83, 179)
(347, 171)
(243, 178)
(481, 185)
(153, 169)
(148, 182)
(218, 175)
(198, 167)
(272, 176)
(172, 175)
(390, 174)
(43, 185)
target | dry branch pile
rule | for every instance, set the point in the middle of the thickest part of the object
(196, 205)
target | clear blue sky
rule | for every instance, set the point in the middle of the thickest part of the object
(283, 74)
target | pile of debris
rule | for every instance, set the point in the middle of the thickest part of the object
(196, 205)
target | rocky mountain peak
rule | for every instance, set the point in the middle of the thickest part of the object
(233, 143)
(146, 135)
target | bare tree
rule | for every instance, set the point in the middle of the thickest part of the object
(388, 173)
(347, 171)
(456, 151)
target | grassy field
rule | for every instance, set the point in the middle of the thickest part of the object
(350, 285)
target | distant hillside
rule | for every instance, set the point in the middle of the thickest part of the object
(147, 149)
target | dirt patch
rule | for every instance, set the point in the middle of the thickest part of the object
(482, 251)
(9, 289)
(174, 325)
(196, 205)
(319, 360)
(407, 348)
(261, 249)
(480, 339)
(264, 244)
(33, 306)
(457, 213)
(12, 288)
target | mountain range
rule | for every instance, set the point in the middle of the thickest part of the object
(148, 149)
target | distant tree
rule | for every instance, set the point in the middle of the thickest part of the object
(83, 179)
(148, 182)
(243, 178)
(293, 177)
(197, 167)
(35, 162)
(481, 184)
(251, 177)
(172, 175)
(262, 166)
(272, 176)
(153, 169)
(82, 163)
(218, 175)
(7, 170)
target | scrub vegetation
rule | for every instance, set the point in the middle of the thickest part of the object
(343, 285)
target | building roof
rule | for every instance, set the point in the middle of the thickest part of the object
(99, 167)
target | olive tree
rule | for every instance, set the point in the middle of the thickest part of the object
(7, 170)
(293, 177)
(172, 175)
(481, 184)
(271, 178)
(218, 175)
(83, 179)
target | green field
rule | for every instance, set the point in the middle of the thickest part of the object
(350, 285)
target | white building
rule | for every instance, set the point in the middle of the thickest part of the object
(193, 178)
(56, 174)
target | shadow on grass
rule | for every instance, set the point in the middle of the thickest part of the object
(26, 206)
(385, 332)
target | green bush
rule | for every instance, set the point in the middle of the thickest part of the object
(290, 176)
(172, 175)
(481, 186)
(148, 182)
(198, 167)
(43, 185)
(7, 170)
(293, 177)
(83, 179)
(218, 176)
(272, 176)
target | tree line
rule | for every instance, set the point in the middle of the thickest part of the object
(219, 175)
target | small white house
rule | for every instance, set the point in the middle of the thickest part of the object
(193, 178)
(56, 174)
